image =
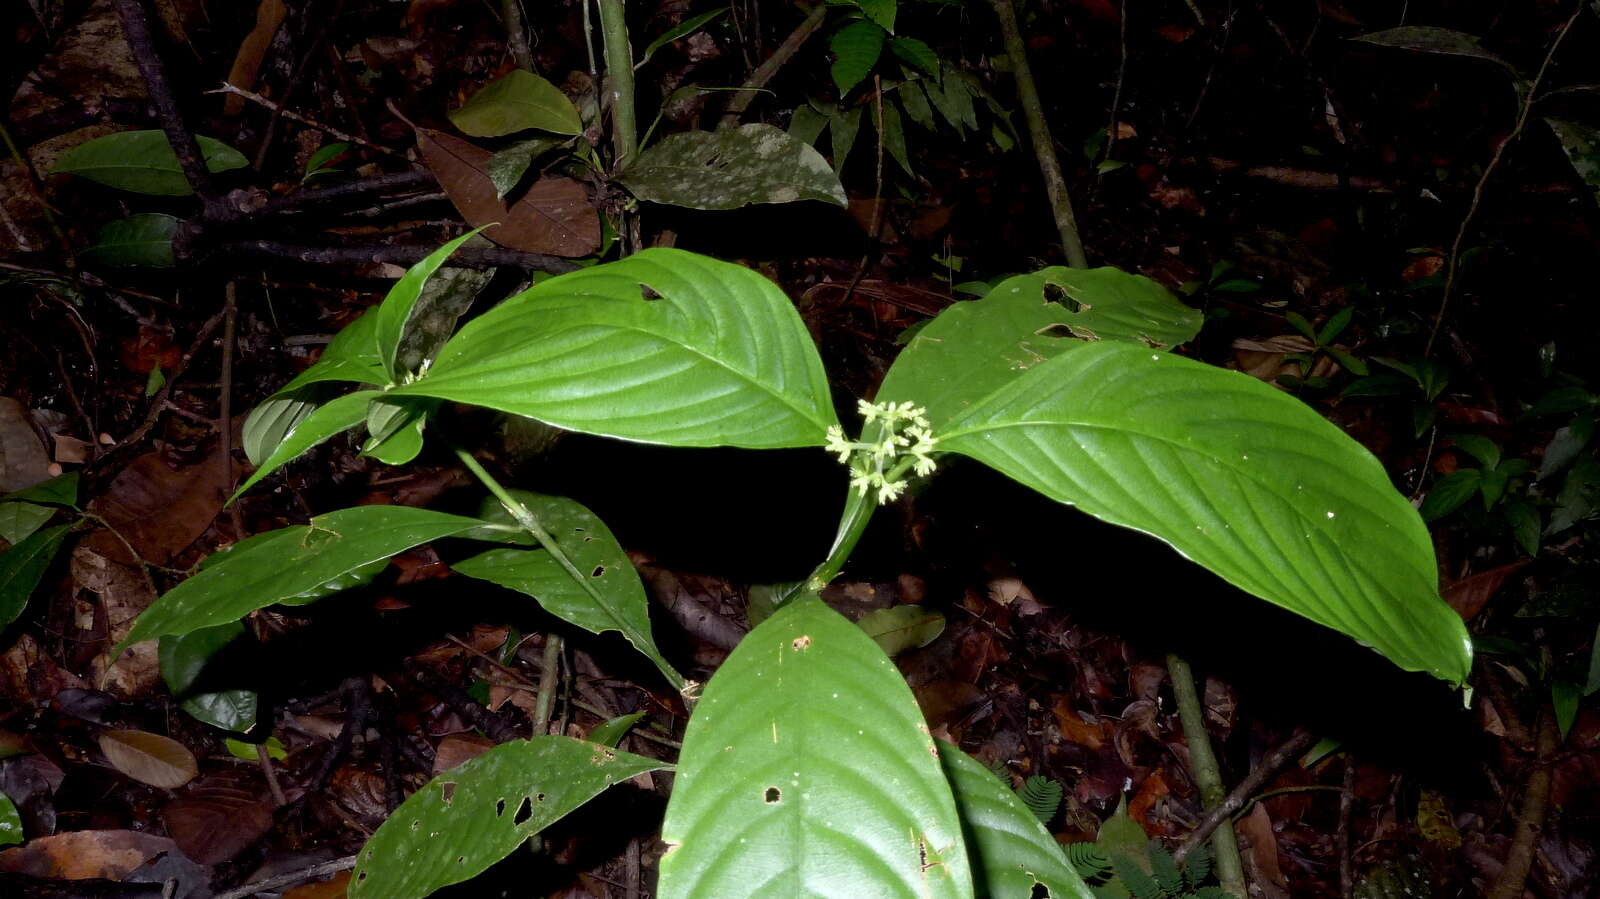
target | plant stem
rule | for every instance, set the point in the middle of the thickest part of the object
(1039, 130)
(619, 77)
(853, 521)
(516, 33)
(763, 73)
(1207, 773)
(1530, 817)
(549, 668)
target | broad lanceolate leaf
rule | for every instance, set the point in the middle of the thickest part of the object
(144, 239)
(807, 770)
(973, 348)
(293, 565)
(1432, 39)
(23, 566)
(730, 168)
(143, 162)
(899, 628)
(1011, 851)
(517, 101)
(334, 417)
(916, 54)
(400, 305)
(880, 11)
(717, 357)
(477, 813)
(587, 580)
(856, 48)
(10, 822)
(149, 758)
(1236, 476)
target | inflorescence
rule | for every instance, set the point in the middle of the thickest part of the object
(906, 433)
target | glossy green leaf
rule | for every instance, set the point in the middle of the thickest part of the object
(477, 813)
(318, 162)
(843, 127)
(899, 628)
(395, 426)
(507, 167)
(1235, 475)
(1481, 448)
(730, 168)
(1011, 851)
(1450, 492)
(142, 162)
(951, 94)
(719, 357)
(915, 103)
(879, 11)
(1526, 525)
(974, 348)
(143, 239)
(590, 583)
(1581, 144)
(681, 30)
(293, 565)
(183, 659)
(239, 749)
(334, 417)
(514, 102)
(1564, 699)
(23, 566)
(856, 48)
(806, 124)
(610, 733)
(916, 54)
(61, 490)
(10, 822)
(269, 423)
(19, 519)
(807, 770)
(894, 138)
(352, 356)
(1566, 444)
(400, 306)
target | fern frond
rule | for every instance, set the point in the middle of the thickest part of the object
(1140, 884)
(1089, 860)
(1042, 796)
(1212, 893)
(1164, 869)
(1197, 867)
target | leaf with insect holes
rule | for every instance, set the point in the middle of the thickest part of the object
(726, 169)
(480, 811)
(149, 758)
(807, 770)
(553, 216)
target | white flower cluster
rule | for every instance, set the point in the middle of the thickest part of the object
(906, 435)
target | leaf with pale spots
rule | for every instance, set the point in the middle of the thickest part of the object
(730, 168)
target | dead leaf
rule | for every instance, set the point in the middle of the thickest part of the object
(1469, 595)
(149, 758)
(332, 888)
(219, 816)
(1008, 590)
(1151, 790)
(947, 702)
(122, 593)
(1076, 730)
(1260, 852)
(458, 748)
(85, 855)
(247, 62)
(23, 462)
(554, 216)
(161, 511)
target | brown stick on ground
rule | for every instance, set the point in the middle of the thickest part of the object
(1275, 761)
(763, 73)
(136, 25)
(1530, 818)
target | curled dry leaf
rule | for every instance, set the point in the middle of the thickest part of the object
(553, 216)
(149, 758)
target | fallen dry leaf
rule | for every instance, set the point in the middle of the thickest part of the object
(458, 748)
(247, 62)
(161, 511)
(85, 855)
(23, 462)
(149, 758)
(1469, 595)
(553, 216)
(332, 888)
(219, 816)
(1074, 729)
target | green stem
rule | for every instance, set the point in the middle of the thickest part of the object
(530, 523)
(1039, 130)
(619, 77)
(1207, 773)
(853, 521)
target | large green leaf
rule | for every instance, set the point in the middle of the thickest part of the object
(975, 347)
(664, 347)
(587, 580)
(142, 239)
(1236, 476)
(1010, 850)
(143, 162)
(473, 815)
(334, 417)
(856, 48)
(293, 565)
(517, 101)
(23, 566)
(807, 770)
(730, 168)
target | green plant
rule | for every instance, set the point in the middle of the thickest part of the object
(1082, 401)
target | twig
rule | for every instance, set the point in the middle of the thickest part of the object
(324, 22)
(1535, 803)
(493, 726)
(1199, 16)
(399, 254)
(159, 403)
(516, 34)
(1258, 777)
(230, 314)
(1451, 268)
(136, 26)
(268, 772)
(739, 102)
(293, 877)
(310, 200)
(876, 222)
(1347, 798)
(290, 114)
(1207, 773)
(619, 82)
(1122, 73)
(549, 671)
(1039, 129)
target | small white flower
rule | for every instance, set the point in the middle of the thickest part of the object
(889, 491)
(869, 412)
(923, 466)
(837, 444)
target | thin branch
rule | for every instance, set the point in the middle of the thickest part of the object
(1453, 266)
(312, 200)
(399, 254)
(1258, 777)
(159, 403)
(136, 25)
(1206, 772)
(290, 114)
(1039, 129)
(1530, 817)
(321, 869)
(739, 102)
(516, 33)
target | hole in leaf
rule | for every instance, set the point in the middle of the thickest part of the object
(801, 642)
(1040, 891)
(447, 792)
(499, 808)
(598, 570)
(1059, 331)
(538, 797)
(772, 796)
(524, 811)
(461, 859)
(416, 824)
(361, 876)
(646, 292)
(1055, 293)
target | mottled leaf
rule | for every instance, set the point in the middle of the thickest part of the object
(730, 168)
